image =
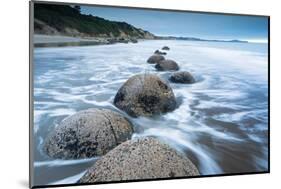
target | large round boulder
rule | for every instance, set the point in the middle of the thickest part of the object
(145, 95)
(88, 133)
(167, 65)
(165, 48)
(145, 158)
(155, 59)
(182, 77)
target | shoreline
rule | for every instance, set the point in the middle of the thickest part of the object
(85, 95)
(41, 40)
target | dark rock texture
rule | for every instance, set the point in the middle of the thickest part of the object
(182, 77)
(88, 133)
(134, 40)
(159, 52)
(145, 95)
(155, 59)
(165, 48)
(167, 65)
(145, 158)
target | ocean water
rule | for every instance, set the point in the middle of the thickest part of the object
(221, 123)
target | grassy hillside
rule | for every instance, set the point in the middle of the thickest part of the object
(66, 20)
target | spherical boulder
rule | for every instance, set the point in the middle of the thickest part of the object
(145, 158)
(155, 59)
(145, 95)
(182, 77)
(133, 40)
(165, 48)
(167, 65)
(88, 133)
(159, 52)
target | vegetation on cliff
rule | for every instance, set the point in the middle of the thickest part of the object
(67, 20)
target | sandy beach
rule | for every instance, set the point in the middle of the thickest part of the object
(57, 40)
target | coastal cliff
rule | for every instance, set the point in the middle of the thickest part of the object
(67, 20)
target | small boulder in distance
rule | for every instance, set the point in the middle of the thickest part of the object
(155, 58)
(133, 40)
(167, 65)
(182, 77)
(159, 52)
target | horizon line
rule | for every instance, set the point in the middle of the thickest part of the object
(261, 40)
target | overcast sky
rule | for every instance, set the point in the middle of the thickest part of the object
(187, 24)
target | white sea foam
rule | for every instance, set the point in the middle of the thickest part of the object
(62, 112)
(58, 163)
(177, 139)
(68, 180)
(204, 104)
(37, 117)
(230, 76)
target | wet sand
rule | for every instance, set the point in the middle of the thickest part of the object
(61, 41)
(221, 121)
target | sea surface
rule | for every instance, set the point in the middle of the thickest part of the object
(221, 123)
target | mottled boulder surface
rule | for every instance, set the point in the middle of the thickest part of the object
(88, 133)
(145, 158)
(167, 65)
(182, 77)
(155, 59)
(145, 95)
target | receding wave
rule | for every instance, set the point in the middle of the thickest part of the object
(58, 163)
(221, 121)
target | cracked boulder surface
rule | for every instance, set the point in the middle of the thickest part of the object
(88, 133)
(145, 95)
(144, 158)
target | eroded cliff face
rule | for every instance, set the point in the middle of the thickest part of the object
(68, 21)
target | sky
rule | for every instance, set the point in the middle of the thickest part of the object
(187, 24)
